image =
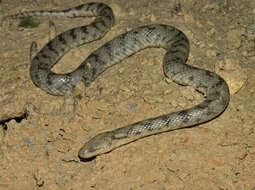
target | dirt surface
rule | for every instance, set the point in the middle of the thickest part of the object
(40, 151)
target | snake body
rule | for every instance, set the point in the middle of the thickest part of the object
(176, 44)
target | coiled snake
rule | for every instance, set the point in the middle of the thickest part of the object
(176, 44)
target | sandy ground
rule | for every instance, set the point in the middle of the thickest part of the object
(40, 151)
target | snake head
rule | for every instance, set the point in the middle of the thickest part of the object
(101, 143)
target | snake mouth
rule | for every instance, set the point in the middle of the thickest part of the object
(87, 155)
(87, 159)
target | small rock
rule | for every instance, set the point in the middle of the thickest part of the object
(211, 53)
(131, 107)
(211, 7)
(38, 179)
(232, 72)
(234, 39)
(153, 18)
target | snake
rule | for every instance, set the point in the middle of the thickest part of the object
(176, 45)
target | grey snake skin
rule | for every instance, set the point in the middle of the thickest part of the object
(176, 44)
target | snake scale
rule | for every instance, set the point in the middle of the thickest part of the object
(212, 86)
